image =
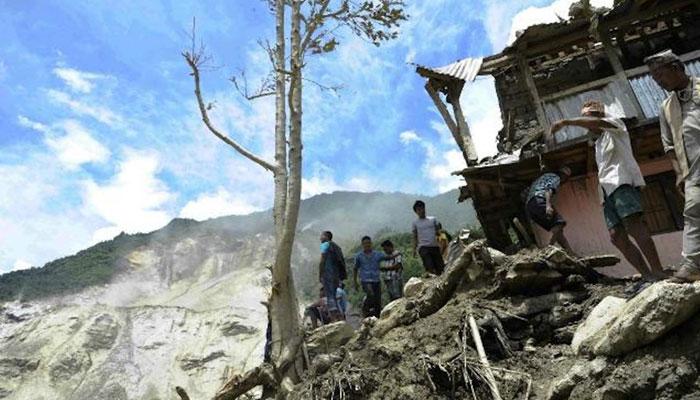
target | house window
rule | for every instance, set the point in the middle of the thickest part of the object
(663, 205)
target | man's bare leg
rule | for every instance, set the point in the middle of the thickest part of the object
(638, 229)
(618, 237)
(558, 237)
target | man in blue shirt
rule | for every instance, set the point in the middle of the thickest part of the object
(367, 264)
(540, 205)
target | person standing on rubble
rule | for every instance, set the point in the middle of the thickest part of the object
(367, 265)
(620, 182)
(425, 231)
(679, 119)
(540, 205)
(331, 271)
(392, 271)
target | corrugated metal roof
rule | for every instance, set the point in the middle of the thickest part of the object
(650, 94)
(465, 70)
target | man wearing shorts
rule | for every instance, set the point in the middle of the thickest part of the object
(620, 181)
(540, 205)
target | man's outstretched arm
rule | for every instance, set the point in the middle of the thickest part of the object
(583, 122)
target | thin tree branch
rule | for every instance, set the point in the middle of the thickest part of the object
(193, 60)
(334, 88)
(265, 89)
(313, 25)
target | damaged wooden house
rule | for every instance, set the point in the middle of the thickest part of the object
(547, 74)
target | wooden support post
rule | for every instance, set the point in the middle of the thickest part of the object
(484, 360)
(616, 64)
(455, 90)
(530, 83)
(451, 124)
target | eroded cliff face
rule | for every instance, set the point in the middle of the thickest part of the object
(185, 312)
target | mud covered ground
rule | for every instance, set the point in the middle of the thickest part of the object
(435, 357)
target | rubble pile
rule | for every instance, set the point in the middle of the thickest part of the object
(535, 325)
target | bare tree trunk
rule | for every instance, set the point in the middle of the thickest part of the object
(280, 175)
(284, 310)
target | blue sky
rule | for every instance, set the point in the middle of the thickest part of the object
(100, 134)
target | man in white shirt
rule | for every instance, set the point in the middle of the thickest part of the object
(679, 120)
(425, 230)
(620, 181)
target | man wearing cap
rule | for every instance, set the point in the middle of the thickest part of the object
(620, 181)
(679, 118)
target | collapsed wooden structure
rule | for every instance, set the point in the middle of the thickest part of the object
(547, 74)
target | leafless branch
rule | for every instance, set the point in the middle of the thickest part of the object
(266, 87)
(195, 60)
(333, 88)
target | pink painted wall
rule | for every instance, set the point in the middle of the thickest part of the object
(579, 204)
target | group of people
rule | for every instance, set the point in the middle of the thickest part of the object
(620, 178)
(372, 267)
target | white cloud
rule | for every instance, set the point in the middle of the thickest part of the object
(322, 180)
(407, 137)
(212, 205)
(439, 164)
(102, 114)
(3, 71)
(38, 222)
(503, 19)
(440, 170)
(28, 123)
(77, 147)
(21, 264)
(133, 200)
(78, 81)
(483, 114)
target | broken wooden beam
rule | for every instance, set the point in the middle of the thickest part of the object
(483, 358)
(606, 260)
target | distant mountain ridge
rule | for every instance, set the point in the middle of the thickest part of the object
(131, 317)
(349, 215)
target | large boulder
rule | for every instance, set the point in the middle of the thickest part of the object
(643, 319)
(561, 388)
(589, 332)
(414, 287)
(328, 338)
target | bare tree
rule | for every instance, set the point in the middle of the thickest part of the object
(314, 27)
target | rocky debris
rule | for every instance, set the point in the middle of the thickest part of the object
(589, 331)
(534, 305)
(413, 287)
(15, 312)
(190, 362)
(561, 389)
(647, 379)
(538, 271)
(16, 367)
(643, 319)
(328, 338)
(68, 366)
(234, 328)
(112, 391)
(527, 308)
(102, 333)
